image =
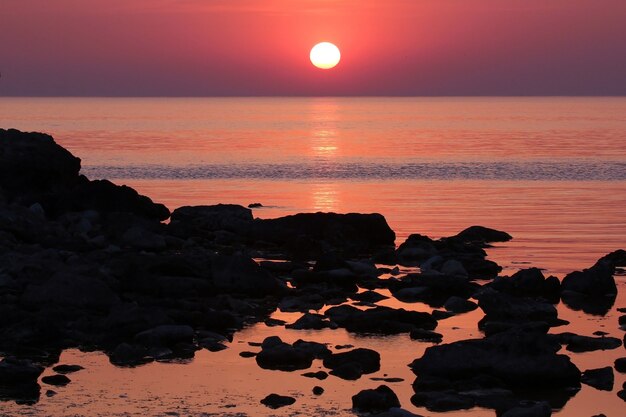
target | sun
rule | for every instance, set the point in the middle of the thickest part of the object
(325, 55)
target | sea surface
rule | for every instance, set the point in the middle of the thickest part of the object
(549, 171)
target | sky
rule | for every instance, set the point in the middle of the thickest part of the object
(261, 47)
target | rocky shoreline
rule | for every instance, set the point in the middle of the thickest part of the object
(96, 266)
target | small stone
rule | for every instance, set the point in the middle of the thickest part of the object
(277, 401)
(317, 390)
(67, 369)
(56, 380)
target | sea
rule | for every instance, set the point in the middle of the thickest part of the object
(550, 171)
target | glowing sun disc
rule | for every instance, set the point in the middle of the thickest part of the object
(325, 55)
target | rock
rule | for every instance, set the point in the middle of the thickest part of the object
(503, 307)
(71, 290)
(375, 400)
(165, 335)
(247, 354)
(317, 350)
(240, 274)
(56, 380)
(454, 268)
(200, 220)
(482, 235)
(317, 390)
(311, 322)
(277, 401)
(426, 336)
(595, 281)
(541, 409)
(601, 379)
(18, 371)
(620, 365)
(516, 358)
(442, 401)
(278, 355)
(255, 205)
(578, 343)
(622, 394)
(380, 320)
(529, 283)
(416, 249)
(67, 369)
(129, 355)
(459, 305)
(50, 393)
(369, 297)
(143, 239)
(354, 363)
(33, 163)
(321, 375)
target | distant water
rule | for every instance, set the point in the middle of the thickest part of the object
(551, 171)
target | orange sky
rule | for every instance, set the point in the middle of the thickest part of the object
(261, 47)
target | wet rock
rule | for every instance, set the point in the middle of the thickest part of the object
(529, 283)
(601, 379)
(311, 322)
(353, 364)
(482, 235)
(541, 409)
(317, 350)
(277, 401)
(595, 281)
(578, 343)
(199, 220)
(240, 274)
(503, 307)
(416, 249)
(166, 335)
(516, 358)
(278, 355)
(317, 390)
(594, 305)
(620, 365)
(247, 354)
(459, 305)
(321, 375)
(56, 380)
(255, 205)
(18, 372)
(375, 400)
(442, 401)
(390, 380)
(50, 393)
(67, 369)
(369, 297)
(426, 336)
(380, 320)
(622, 394)
(126, 354)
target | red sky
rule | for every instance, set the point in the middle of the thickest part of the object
(261, 47)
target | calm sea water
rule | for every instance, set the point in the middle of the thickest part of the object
(550, 171)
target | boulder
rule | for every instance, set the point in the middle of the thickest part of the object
(240, 274)
(199, 220)
(380, 320)
(595, 281)
(577, 343)
(18, 372)
(278, 355)
(165, 335)
(277, 401)
(503, 307)
(601, 379)
(56, 380)
(375, 400)
(620, 365)
(481, 235)
(67, 369)
(459, 305)
(311, 322)
(354, 363)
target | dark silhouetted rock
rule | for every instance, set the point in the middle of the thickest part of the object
(277, 401)
(165, 335)
(281, 356)
(380, 320)
(56, 380)
(311, 322)
(620, 365)
(317, 390)
(240, 274)
(622, 394)
(541, 409)
(354, 363)
(199, 220)
(321, 375)
(601, 379)
(67, 369)
(255, 205)
(375, 400)
(578, 343)
(18, 372)
(595, 281)
(503, 307)
(397, 412)
(426, 336)
(126, 354)
(459, 305)
(480, 234)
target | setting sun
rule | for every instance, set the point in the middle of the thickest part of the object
(325, 55)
